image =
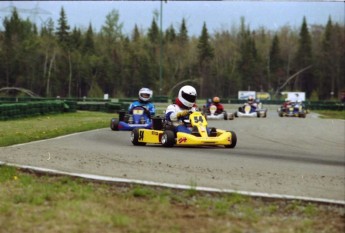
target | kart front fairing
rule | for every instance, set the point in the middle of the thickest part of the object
(138, 119)
(248, 111)
(212, 115)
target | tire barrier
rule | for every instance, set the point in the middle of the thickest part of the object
(10, 111)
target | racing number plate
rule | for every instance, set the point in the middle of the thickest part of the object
(138, 111)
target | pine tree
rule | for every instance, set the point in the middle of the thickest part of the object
(183, 33)
(89, 45)
(153, 33)
(136, 33)
(205, 56)
(275, 63)
(75, 39)
(304, 81)
(205, 50)
(170, 34)
(62, 31)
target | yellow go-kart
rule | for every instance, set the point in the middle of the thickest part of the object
(164, 134)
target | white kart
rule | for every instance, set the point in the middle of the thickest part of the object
(250, 111)
(212, 115)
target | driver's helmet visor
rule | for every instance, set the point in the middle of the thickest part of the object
(188, 97)
(145, 95)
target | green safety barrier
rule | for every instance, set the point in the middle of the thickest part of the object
(11, 111)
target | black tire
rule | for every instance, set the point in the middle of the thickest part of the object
(168, 138)
(135, 137)
(114, 124)
(225, 115)
(302, 115)
(233, 140)
(235, 114)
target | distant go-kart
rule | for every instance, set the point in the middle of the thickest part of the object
(127, 122)
(251, 111)
(163, 133)
(210, 114)
(292, 110)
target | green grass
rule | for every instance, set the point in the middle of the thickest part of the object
(329, 114)
(36, 202)
(38, 128)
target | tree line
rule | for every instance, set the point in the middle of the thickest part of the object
(57, 60)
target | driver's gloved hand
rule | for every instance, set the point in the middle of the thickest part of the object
(182, 113)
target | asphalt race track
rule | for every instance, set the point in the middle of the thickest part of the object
(288, 156)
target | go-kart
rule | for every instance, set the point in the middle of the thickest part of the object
(140, 118)
(210, 114)
(250, 111)
(292, 110)
(163, 133)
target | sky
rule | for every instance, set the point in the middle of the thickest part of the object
(218, 15)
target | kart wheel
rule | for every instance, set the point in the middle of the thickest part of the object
(225, 115)
(114, 123)
(233, 140)
(135, 137)
(231, 116)
(281, 114)
(302, 115)
(236, 115)
(168, 138)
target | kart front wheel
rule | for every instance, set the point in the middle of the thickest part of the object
(114, 123)
(233, 140)
(168, 138)
(135, 138)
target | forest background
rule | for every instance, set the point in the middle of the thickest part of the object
(56, 60)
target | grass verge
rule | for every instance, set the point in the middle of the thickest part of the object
(49, 126)
(35, 202)
(329, 114)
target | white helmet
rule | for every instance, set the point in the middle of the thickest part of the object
(187, 96)
(145, 94)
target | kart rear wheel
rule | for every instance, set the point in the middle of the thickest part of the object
(168, 138)
(233, 140)
(135, 137)
(114, 124)
(225, 115)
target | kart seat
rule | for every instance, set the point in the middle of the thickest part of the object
(213, 132)
(195, 131)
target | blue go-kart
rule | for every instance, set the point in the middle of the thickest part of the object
(140, 118)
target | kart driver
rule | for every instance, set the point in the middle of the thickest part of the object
(216, 102)
(184, 104)
(286, 105)
(145, 95)
(251, 102)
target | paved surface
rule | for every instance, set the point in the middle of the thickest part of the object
(290, 156)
